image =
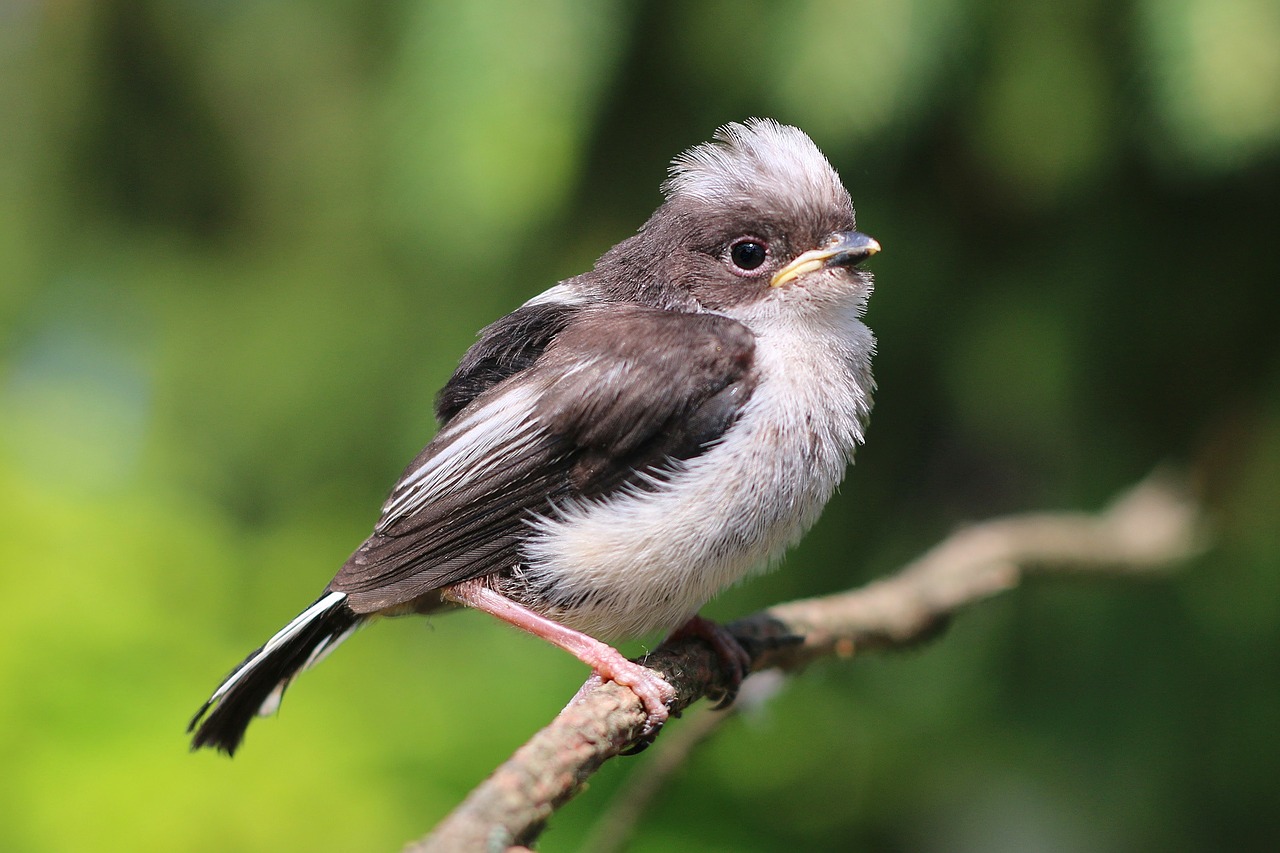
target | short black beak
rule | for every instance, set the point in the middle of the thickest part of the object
(844, 249)
(851, 248)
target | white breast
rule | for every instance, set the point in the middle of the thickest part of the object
(647, 560)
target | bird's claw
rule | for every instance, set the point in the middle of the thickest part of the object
(736, 659)
(652, 689)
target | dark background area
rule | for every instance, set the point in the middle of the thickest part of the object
(241, 245)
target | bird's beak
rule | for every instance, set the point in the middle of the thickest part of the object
(843, 250)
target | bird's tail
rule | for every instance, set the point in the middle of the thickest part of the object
(255, 687)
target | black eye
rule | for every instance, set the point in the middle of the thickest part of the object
(748, 254)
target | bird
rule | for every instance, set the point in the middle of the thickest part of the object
(628, 443)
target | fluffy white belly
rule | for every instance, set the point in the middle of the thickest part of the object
(647, 560)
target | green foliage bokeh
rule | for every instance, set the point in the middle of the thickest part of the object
(241, 244)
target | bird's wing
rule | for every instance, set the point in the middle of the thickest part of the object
(615, 399)
(506, 347)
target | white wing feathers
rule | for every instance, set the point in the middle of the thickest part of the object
(471, 448)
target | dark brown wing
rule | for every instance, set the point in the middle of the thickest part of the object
(620, 392)
(506, 347)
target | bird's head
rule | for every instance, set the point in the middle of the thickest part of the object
(755, 217)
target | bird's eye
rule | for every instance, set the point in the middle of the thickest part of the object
(748, 255)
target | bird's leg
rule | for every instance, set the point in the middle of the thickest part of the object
(726, 646)
(606, 661)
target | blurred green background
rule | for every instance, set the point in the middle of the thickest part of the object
(242, 243)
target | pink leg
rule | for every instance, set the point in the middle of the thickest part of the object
(606, 661)
(726, 646)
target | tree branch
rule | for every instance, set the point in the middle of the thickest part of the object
(616, 823)
(1151, 526)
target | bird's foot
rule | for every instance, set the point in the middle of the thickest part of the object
(736, 659)
(652, 689)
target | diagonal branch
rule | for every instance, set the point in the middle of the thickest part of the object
(1149, 527)
(616, 823)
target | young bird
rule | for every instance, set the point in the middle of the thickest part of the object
(625, 445)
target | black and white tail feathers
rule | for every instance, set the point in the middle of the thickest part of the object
(255, 687)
